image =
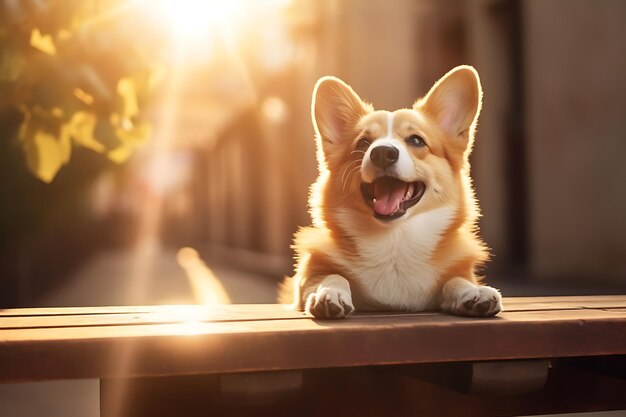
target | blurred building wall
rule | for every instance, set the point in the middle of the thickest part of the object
(575, 73)
(491, 39)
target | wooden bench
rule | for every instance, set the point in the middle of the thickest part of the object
(543, 354)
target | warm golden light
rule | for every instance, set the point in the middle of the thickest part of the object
(206, 287)
(195, 19)
(199, 22)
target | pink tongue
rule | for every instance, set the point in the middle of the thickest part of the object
(388, 194)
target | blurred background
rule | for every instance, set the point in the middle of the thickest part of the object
(161, 151)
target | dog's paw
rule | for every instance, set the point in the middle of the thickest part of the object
(329, 303)
(478, 301)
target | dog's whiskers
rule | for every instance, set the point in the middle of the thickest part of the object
(352, 172)
(348, 166)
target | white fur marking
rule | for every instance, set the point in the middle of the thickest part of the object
(458, 291)
(334, 289)
(404, 167)
(337, 282)
(394, 266)
(390, 117)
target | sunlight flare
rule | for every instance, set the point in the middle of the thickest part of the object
(193, 19)
(206, 287)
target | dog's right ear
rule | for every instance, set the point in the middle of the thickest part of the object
(336, 110)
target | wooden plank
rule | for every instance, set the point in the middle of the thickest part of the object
(364, 322)
(247, 311)
(191, 308)
(582, 301)
(226, 313)
(573, 299)
(110, 316)
(510, 304)
(560, 298)
(278, 313)
(235, 346)
(123, 319)
(182, 315)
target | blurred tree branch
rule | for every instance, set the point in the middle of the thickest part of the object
(79, 72)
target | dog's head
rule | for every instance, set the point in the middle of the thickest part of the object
(384, 166)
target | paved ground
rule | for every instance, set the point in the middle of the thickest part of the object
(153, 275)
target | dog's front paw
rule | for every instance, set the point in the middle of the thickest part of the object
(478, 301)
(329, 303)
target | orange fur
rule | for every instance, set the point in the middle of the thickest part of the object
(344, 227)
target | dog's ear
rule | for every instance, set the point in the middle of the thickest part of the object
(336, 110)
(454, 102)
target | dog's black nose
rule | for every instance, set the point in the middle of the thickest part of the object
(384, 156)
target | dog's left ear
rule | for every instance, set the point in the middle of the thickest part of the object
(454, 102)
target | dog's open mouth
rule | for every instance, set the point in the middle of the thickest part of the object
(391, 197)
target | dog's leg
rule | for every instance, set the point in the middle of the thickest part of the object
(331, 299)
(462, 297)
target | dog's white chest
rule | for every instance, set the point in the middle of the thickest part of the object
(395, 269)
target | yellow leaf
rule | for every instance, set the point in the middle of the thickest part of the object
(121, 154)
(82, 96)
(126, 90)
(131, 138)
(80, 128)
(45, 156)
(65, 144)
(41, 42)
(137, 135)
(57, 112)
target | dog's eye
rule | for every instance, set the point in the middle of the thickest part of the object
(363, 144)
(415, 140)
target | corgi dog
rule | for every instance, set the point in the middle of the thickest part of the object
(393, 209)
